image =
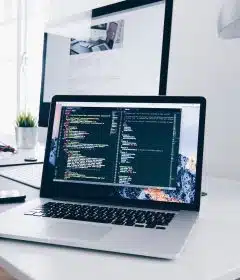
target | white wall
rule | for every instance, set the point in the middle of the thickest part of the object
(8, 66)
(203, 64)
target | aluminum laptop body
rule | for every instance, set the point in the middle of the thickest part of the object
(136, 159)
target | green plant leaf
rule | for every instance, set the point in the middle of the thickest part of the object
(26, 120)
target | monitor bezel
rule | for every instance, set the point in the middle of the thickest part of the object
(82, 192)
(44, 107)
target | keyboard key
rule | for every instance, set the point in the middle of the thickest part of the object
(38, 214)
(29, 213)
(150, 226)
(139, 225)
(157, 227)
(117, 222)
(129, 224)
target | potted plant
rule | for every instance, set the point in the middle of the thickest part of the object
(26, 131)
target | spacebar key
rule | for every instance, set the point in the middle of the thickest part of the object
(93, 220)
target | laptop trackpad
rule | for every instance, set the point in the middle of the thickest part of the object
(77, 231)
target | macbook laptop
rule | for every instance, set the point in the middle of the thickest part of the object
(121, 174)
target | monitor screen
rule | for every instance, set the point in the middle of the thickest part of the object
(121, 49)
(134, 150)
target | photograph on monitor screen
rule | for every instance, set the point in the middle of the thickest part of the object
(106, 36)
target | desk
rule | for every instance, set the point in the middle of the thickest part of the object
(7, 159)
(7, 184)
(212, 251)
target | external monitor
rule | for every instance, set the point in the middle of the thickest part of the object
(119, 49)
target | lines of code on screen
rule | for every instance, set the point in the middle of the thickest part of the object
(119, 146)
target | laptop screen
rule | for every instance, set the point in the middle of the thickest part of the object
(143, 151)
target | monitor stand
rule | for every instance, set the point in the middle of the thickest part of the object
(42, 135)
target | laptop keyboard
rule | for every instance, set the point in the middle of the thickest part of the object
(105, 215)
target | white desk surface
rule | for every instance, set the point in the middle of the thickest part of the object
(29, 175)
(212, 251)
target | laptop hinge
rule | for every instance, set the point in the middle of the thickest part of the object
(69, 199)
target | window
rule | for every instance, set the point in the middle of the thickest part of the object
(22, 24)
(8, 64)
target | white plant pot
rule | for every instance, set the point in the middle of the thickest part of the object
(26, 137)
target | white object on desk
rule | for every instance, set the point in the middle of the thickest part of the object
(9, 159)
(30, 174)
(212, 251)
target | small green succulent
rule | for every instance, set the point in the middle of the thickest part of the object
(26, 120)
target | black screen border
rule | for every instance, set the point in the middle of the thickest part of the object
(82, 192)
(44, 108)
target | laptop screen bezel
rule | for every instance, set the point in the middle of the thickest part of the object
(82, 192)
